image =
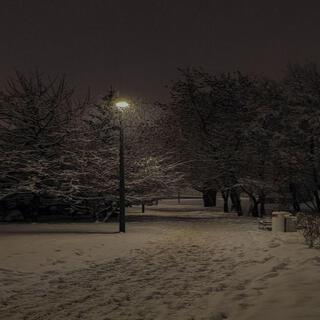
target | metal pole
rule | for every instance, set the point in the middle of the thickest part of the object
(122, 199)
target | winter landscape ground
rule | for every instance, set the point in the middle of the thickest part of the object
(175, 262)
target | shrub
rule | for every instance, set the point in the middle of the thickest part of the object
(309, 224)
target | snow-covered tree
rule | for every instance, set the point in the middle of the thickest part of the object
(208, 115)
(36, 115)
(302, 88)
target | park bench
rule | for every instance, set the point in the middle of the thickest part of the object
(265, 224)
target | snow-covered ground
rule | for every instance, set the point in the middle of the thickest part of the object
(179, 262)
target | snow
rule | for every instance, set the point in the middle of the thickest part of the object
(217, 266)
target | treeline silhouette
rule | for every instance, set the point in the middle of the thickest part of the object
(230, 133)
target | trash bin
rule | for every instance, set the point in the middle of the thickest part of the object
(278, 221)
(290, 224)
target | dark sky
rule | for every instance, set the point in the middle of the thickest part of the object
(137, 45)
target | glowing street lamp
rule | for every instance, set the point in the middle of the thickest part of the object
(122, 105)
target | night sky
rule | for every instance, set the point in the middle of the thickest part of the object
(137, 45)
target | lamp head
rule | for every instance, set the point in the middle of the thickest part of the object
(122, 105)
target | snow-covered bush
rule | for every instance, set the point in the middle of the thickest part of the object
(309, 224)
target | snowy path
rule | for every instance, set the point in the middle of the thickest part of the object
(219, 269)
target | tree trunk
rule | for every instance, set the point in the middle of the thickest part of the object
(254, 207)
(315, 175)
(236, 202)
(225, 196)
(262, 211)
(316, 191)
(295, 202)
(34, 208)
(317, 198)
(142, 207)
(209, 198)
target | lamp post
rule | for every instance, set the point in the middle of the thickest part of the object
(122, 105)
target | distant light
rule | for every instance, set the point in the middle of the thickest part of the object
(121, 105)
